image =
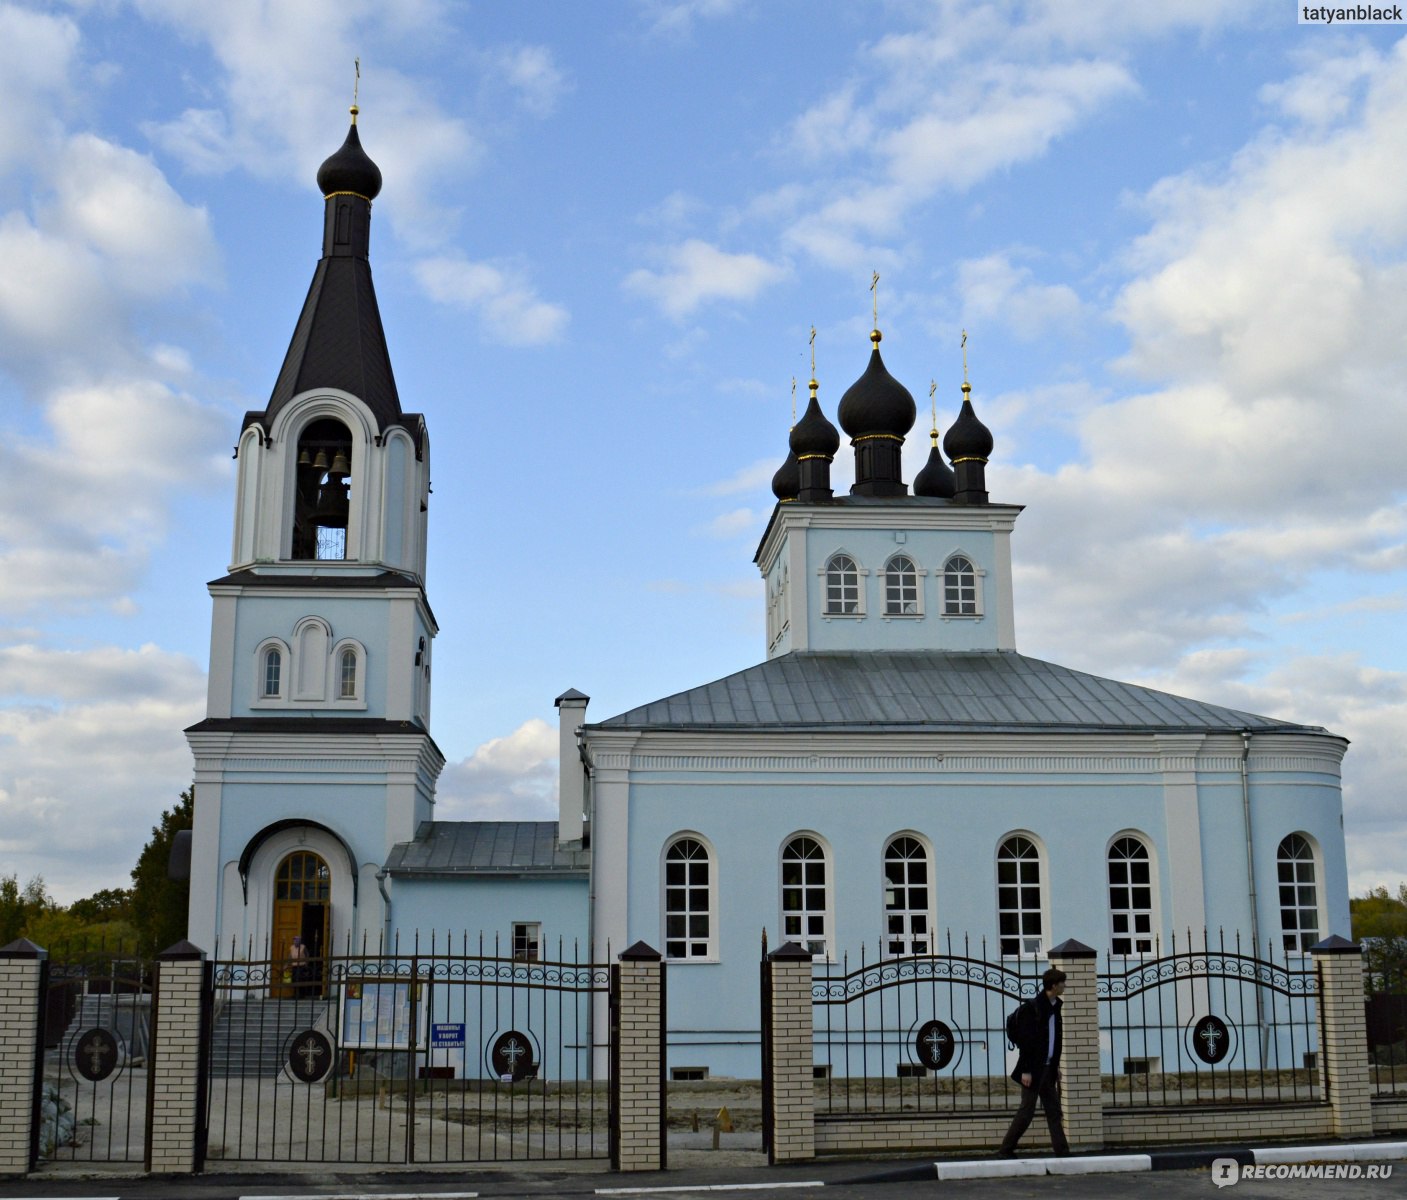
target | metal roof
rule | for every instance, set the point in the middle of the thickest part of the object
(982, 691)
(485, 847)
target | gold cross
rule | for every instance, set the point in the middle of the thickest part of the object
(793, 401)
(933, 400)
(813, 352)
(874, 287)
(964, 356)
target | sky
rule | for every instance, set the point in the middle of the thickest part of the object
(1175, 233)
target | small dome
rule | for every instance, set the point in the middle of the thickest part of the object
(877, 403)
(786, 483)
(350, 169)
(968, 438)
(936, 478)
(813, 434)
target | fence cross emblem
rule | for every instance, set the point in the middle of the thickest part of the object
(935, 1045)
(1211, 1040)
(1212, 1036)
(95, 1054)
(310, 1052)
(306, 1052)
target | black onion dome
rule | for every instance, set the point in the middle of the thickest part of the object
(786, 483)
(936, 478)
(350, 169)
(877, 403)
(813, 434)
(968, 438)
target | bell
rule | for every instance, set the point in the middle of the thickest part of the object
(320, 463)
(303, 459)
(332, 507)
(340, 465)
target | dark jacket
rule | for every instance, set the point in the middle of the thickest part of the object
(1033, 1029)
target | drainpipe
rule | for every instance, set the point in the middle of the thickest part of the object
(587, 787)
(1251, 884)
(385, 905)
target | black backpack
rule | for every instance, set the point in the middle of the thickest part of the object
(1014, 1020)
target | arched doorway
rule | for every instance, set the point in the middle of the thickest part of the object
(302, 907)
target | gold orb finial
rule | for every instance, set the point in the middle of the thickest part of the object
(933, 403)
(813, 385)
(874, 287)
(966, 387)
(356, 88)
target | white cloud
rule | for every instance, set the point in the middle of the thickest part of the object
(696, 272)
(752, 478)
(37, 53)
(675, 18)
(534, 77)
(993, 288)
(509, 778)
(730, 524)
(506, 303)
(121, 717)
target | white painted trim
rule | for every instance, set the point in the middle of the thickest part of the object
(1154, 882)
(714, 891)
(932, 887)
(829, 915)
(1043, 866)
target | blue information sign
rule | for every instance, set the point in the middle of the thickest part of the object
(446, 1037)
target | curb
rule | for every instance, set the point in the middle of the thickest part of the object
(1109, 1164)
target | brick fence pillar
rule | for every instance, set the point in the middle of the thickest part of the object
(21, 987)
(792, 1082)
(638, 1126)
(174, 1100)
(1080, 1088)
(1343, 1036)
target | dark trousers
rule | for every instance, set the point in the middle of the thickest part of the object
(1047, 1090)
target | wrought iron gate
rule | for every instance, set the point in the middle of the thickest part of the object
(427, 1056)
(91, 1101)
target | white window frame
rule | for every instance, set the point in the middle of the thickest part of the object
(892, 909)
(532, 937)
(1131, 911)
(1315, 860)
(918, 585)
(358, 700)
(806, 914)
(279, 699)
(978, 575)
(709, 942)
(861, 575)
(1030, 944)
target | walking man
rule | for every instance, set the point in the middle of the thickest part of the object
(1038, 1064)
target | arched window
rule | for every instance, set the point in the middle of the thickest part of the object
(842, 586)
(1299, 895)
(959, 587)
(805, 894)
(906, 929)
(1130, 897)
(1019, 898)
(901, 597)
(322, 507)
(347, 674)
(688, 900)
(273, 673)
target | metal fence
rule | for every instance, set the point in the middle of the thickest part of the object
(420, 1053)
(1385, 985)
(1209, 1022)
(921, 1034)
(91, 1103)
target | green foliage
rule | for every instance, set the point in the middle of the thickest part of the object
(1380, 926)
(20, 907)
(110, 904)
(157, 908)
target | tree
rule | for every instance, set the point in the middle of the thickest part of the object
(1380, 926)
(109, 904)
(158, 904)
(20, 907)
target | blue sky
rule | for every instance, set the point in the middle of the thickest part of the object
(1175, 233)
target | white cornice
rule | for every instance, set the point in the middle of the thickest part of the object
(954, 753)
(994, 518)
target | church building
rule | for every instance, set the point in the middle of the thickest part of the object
(893, 771)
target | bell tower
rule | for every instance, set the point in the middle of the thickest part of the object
(316, 739)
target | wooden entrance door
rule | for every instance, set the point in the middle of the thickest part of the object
(302, 899)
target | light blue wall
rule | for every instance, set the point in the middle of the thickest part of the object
(872, 549)
(351, 807)
(747, 819)
(258, 617)
(490, 905)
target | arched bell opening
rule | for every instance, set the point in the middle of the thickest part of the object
(322, 504)
(302, 910)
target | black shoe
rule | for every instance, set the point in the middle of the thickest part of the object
(1005, 1154)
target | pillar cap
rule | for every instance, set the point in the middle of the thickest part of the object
(640, 952)
(1070, 948)
(23, 948)
(790, 952)
(1334, 944)
(182, 951)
